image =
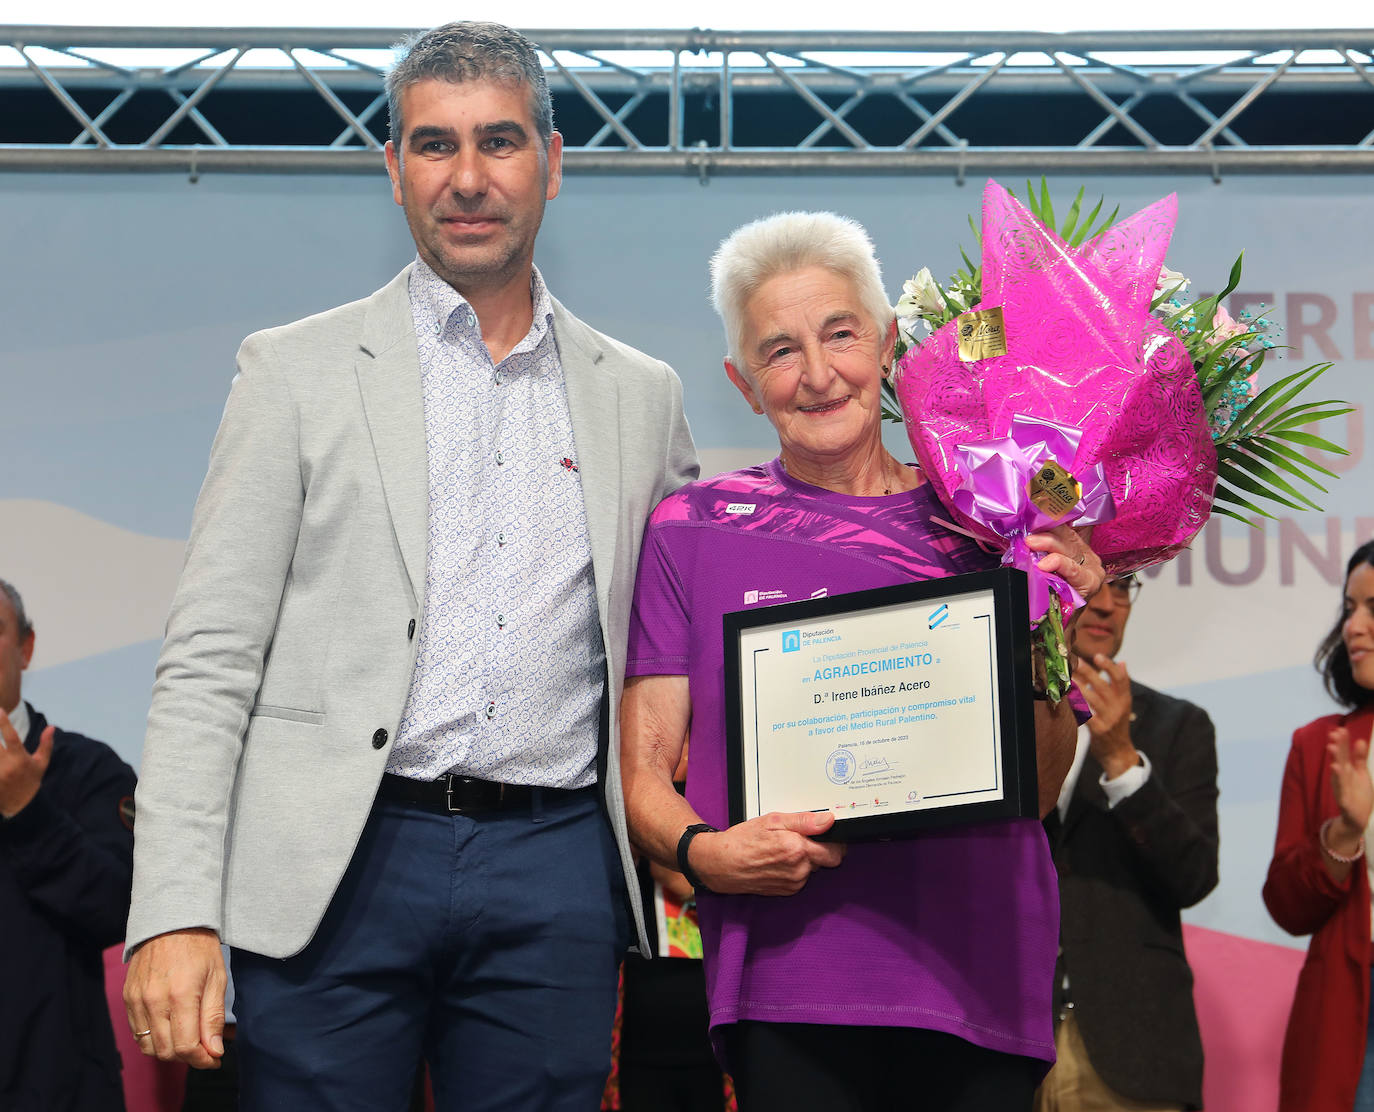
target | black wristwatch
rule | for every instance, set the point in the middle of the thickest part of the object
(683, 844)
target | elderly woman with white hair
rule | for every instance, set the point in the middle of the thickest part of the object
(912, 973)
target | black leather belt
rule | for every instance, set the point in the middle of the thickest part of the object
(453, 795)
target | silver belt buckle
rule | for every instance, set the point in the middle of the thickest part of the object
(457, 809)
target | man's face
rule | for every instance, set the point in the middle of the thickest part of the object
(473, 176)
(15, 654)
(1101, 624)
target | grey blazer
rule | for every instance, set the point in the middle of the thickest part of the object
(289, 647)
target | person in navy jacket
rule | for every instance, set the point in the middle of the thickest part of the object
(66, 864)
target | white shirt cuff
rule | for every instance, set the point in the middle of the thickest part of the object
(1128, 783)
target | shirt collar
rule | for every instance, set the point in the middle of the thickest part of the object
(543, 305)
(19, 718)
(438, 301)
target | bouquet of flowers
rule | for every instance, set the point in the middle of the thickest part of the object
(1066, 380)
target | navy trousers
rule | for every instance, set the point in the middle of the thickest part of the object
(487, 944)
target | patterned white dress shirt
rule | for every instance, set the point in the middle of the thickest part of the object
(508, 681)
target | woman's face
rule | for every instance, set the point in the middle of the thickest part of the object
(1357, 631)
(813, 365)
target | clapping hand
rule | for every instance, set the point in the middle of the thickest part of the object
(1106, 686)
(21, 772)
(1351, 785)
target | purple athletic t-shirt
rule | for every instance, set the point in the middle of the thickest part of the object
(951, 930)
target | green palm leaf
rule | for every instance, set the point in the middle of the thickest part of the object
(1226, 494)
(1309, 440)
(1232, 513)
(1085, 228)
(1260, 454)
(1306, 414)
(1290, 459)
(1270, 399)
(1071, 220)
(1233, 476)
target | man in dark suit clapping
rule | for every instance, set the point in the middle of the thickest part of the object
(1135, 841)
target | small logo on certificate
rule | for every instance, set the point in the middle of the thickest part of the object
(791, 640)
(839, 766)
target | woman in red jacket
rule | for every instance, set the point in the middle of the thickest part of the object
(1319, 881)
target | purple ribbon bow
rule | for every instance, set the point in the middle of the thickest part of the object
(994, 493)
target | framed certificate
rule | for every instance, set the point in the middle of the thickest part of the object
(898, 709)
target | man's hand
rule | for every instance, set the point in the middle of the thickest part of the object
(21, 772)
(772, 855)
(175, 991)
(1106, 686)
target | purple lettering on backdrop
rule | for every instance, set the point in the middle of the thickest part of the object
(1318, 331)
(1183, 562)
(1329, 564)
(1296, 535)
(1362, 322)
(1253, 569)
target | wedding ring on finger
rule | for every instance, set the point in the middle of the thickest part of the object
(142, 1034)
(1082, 560)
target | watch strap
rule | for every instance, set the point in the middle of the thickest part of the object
(683, 844)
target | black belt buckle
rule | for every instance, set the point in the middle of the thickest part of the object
(464, 793)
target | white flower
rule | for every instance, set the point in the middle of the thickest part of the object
(1170, 282)
(921, 295)
(920, 301)
(909, 337)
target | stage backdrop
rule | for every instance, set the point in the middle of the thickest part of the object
(125, 298)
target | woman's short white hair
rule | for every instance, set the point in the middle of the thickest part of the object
(786, 242)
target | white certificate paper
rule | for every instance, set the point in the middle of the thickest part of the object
(886, 710)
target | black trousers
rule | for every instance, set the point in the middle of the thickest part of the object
(666, 1062)
(874, 1069)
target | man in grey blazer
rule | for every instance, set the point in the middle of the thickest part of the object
(1134, 839)
(381, 760)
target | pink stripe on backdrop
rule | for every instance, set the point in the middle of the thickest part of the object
(1243, 990)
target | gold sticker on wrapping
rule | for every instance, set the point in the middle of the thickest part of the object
(1053, 490)
(982, 334)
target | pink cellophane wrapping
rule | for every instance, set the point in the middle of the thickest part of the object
(1082, 350)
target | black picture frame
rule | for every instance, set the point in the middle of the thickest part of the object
(1010, 636)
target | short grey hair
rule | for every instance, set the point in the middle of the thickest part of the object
(470, 51)
(21, 618)
(789, 241)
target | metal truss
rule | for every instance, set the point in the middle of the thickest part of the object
(710, 102)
